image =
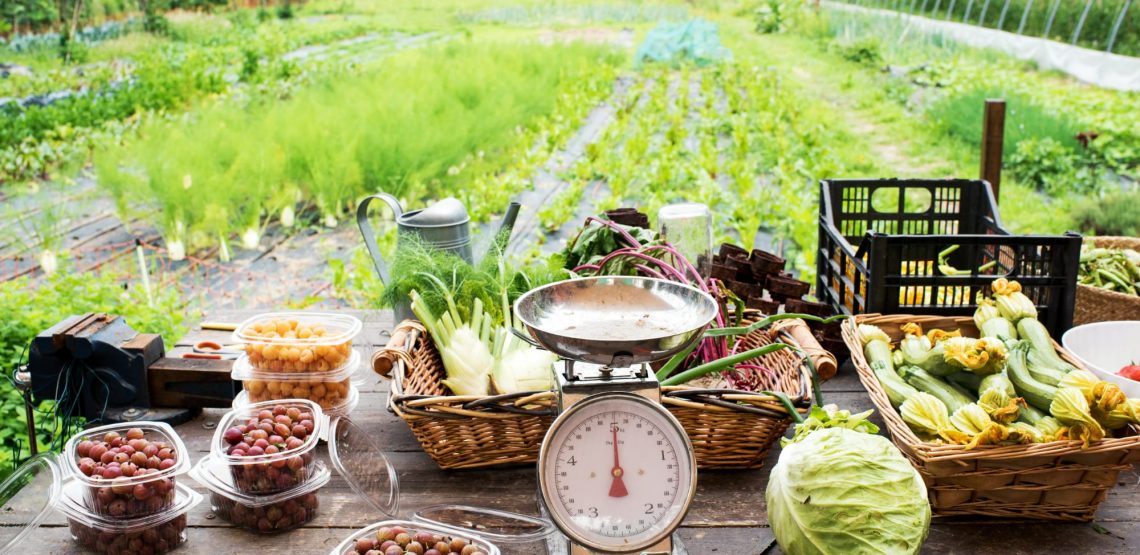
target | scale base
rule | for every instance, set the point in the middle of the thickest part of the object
(560, 545)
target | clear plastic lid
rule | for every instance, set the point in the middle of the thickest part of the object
(341, 409)
(215, 476)
(363, 465)
(350, 543)
(28, 495)
(500, 527)
(244, 370)
(318, 328)
(70, 503)
(152, 431)
(238, 416)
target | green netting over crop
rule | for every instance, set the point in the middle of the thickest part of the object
(696, 41)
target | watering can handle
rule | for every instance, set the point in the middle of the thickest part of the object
(369, 236)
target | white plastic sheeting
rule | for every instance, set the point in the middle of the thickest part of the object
(1111, 71)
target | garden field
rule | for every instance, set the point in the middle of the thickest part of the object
(158, 159)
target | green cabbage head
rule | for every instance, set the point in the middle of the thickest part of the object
(839, 490)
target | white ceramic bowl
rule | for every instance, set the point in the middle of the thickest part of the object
(1105, 348)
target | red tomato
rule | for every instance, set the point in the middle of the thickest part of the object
(1132, 372)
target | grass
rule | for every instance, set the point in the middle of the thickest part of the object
(407, 128)
(960, 116)
(125, 47)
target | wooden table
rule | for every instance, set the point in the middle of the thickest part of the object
(727, 517)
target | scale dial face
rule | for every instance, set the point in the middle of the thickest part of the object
(617, 472)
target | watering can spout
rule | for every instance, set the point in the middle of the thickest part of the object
(503, 232)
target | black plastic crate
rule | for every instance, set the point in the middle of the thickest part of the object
(879, 242)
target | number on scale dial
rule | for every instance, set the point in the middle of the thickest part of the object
(619, 471)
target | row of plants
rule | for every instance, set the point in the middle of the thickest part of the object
(21, 86)
(27, 309)
(408, 128)
(89, 35)
(521, 15)
(1058, 20)
(37, 139)
(35, 24)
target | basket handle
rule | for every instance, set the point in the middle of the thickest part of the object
(403, 338)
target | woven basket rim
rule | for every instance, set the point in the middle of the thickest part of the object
(1113, 298)
(511, 405)
(924, 452)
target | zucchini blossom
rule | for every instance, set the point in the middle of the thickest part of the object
(1026, 430)
(1051, 429)
(869, 333)
(937, 336)
(1072, 409)
(926, 352)
(974, 422)
(980, 356)
(1101, 396)
(1122, 415)
(990, 322)
(914, 345)
(925, 414)
(970, 419)
(1000, 406)
(1011, 302)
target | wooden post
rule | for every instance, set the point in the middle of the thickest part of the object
(993, 135)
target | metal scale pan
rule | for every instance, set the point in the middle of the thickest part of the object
(616, 321)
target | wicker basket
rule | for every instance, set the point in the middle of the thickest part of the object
(728, 428)
(1042, 481)
(1101, 305)
(459, 431)
(736, 429)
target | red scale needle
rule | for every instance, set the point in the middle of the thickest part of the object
(617, 488)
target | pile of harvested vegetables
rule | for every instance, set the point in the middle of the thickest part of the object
(1112, 269)
(1007, 387)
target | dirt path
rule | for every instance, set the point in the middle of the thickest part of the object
(814, 73)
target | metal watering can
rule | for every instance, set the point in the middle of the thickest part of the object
(444, 225)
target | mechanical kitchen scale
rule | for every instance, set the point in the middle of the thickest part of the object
(616, 470)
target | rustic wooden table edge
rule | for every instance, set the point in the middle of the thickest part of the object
(727, 517)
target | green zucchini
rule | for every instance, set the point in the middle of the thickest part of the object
(951, 396)
(1044, 374)
(999, 380)
(1031, 389)
(897, 390)
(1041, 344)
(967, 380)
(1030, 415)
